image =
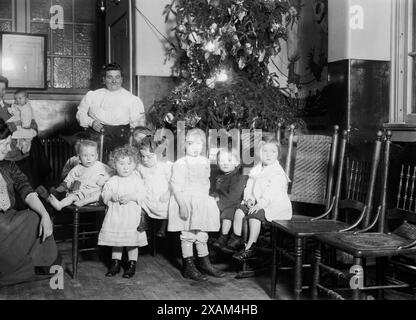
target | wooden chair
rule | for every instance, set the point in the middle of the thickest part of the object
(363, 244)
(247, 266)
(94, 208)
(312, 183)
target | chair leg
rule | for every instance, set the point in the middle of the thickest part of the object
(75, 246)
(153, 237)
(380, 267)
(274, 263)
(298, 267)
(356, 292)
(315, 277)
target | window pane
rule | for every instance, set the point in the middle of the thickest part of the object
(5, 9)
(5, 26)
(67, 6)
(84, 40)
(41, 28)
(82, 73)
(63, 40)
(39, 10)
(85, 11)
(62, 72)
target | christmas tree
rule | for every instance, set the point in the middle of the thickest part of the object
(221, 57)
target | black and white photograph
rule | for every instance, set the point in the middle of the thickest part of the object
(229, 153)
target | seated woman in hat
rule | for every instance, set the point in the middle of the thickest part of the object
(26, 241)
(112, 108)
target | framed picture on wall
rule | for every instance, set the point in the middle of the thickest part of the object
(23, 60)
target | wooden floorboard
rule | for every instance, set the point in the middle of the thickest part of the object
(156, 278)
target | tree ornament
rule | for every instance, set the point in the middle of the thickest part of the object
(169, 118)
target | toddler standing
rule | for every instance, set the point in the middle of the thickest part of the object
(156, 176)
(191, 210)
(123, 195)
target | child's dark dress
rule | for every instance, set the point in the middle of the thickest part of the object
(230, 188)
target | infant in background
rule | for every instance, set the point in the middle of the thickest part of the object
(22, 118)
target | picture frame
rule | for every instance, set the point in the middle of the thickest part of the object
(23, 60)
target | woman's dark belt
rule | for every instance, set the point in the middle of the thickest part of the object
(114, 136)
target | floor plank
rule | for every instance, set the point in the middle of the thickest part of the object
(156, 278)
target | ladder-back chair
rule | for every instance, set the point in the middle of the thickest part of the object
(309, 161)
(363, 244)
(97, 208)
(302, 230)
(312, 183)
(247, 268)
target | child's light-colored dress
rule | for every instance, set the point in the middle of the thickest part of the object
(156, 181)
(190, 175)
(120, 224)
(268, 187)
(22, 116)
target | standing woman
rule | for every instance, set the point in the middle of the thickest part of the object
(112, 108)
(26, 240)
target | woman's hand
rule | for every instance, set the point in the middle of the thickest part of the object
(97, 126)
(183, 212)
(45, 227)
(254, 209)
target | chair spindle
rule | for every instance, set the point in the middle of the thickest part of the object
(400, 188)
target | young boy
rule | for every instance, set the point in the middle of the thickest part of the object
(228, 192)
(74, 160)
(85, 180)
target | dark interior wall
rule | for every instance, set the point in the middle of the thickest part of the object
(152, 88)
(359, 97)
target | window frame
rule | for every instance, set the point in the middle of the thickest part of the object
(51, 55)
(403, 55)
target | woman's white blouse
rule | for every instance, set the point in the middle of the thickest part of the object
(112, 108)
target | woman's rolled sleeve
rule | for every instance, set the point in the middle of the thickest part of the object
(20, 181)
(82, 116)
(137, 117)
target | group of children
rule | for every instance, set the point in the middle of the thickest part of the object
(180, 196)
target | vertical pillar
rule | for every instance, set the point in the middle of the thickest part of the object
(359, 64)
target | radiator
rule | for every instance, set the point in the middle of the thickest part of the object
(58, 152)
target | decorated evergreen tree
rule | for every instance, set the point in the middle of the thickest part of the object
(221, 57)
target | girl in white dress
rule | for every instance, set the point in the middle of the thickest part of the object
(191, 210)
(265, 197)
(123, 195)
(156, 175)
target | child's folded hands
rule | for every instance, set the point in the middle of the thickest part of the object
(254, 209)
(115, 197)
(128, 198)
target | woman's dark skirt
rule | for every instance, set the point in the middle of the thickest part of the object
(20, 247)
